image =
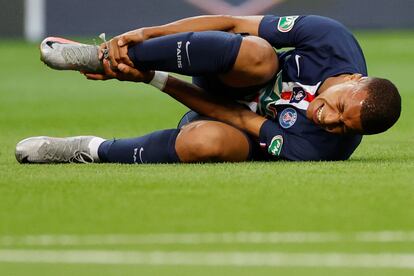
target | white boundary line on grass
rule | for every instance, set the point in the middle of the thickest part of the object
(209, 238)
(235, 259)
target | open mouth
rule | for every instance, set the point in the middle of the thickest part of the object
(317, 116)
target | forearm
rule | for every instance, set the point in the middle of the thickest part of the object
(221, 109)
(192, 24)
(119, 46)
(245, 24)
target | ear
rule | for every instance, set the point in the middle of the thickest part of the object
(355, 77)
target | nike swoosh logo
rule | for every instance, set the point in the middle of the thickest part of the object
(50, 44)
(134, 156)
(141, 150)
(297, 57)
(187, 44)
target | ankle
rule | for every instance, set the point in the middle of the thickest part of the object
(93, 146)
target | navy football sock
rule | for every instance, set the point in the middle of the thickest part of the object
(193, 53)
(157, 147)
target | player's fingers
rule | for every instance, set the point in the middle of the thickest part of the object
(130, 73)
(116, 52)
(102, 48)
(113, 54)
(107, 69)
(123, 74)
(95, 76)
(130, 39)
(124, 40)
(124, 58)
(124, 68)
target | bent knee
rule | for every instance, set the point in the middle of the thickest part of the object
(200, 141)
(207, 141)
(256, 64)
(258, 58)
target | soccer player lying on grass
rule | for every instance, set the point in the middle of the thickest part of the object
(313, 102)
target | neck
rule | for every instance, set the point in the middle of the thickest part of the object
(331, 82)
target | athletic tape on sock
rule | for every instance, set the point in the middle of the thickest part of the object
(160, 80)
(94, 146)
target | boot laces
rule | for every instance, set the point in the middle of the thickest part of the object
(67, 152)
(78, 55)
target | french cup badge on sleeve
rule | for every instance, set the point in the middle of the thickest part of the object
(286, 23)
(275, 147)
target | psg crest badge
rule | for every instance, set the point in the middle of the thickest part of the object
(288, 117)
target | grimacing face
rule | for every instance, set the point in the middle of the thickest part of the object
(337, 109)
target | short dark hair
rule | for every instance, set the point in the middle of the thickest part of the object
(382, 107)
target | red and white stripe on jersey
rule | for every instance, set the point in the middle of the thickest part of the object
(282, 93)
(288, 92)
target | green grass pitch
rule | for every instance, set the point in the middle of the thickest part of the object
(373, 191)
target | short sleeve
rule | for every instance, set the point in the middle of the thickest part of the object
(284, 145)
(317, 146)
(324, 41)
(300, 31)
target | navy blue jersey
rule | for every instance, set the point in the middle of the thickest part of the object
(323, 48)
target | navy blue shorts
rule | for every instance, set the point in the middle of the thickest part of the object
(213, 85)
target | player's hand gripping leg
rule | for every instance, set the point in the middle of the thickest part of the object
(124, 72)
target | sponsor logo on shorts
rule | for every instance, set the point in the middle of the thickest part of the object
(288, 117)
(286, 23)
(187, 46)
(275, 147)
(141, 150)
(135, 155)
(179, 56)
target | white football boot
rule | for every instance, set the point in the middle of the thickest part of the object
(45, 149)
(63, 54)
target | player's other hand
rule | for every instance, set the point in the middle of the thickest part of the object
(118, 47)
(124, 72)
(115, 54)
(131, 37)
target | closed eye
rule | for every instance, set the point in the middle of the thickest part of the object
(341, 107)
